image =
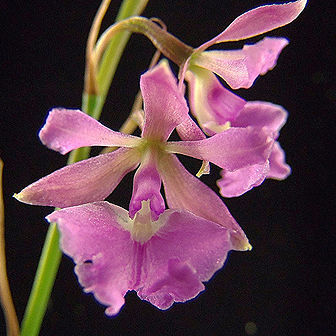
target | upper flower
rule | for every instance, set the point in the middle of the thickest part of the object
(239, 68)
(218, 109)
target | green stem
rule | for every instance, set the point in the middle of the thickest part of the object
(43, 283)
(51, 254)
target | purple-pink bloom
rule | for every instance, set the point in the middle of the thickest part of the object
(239, 68)
(165, 108)
(178, 252)
(217, 109)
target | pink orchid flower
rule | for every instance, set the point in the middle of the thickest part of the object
(147, 249)
(216, 108)
(239, 68)
(164, 108)
(178, 252)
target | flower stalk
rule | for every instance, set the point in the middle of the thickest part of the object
(90, 71)
(169, 45)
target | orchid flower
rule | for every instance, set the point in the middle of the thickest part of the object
(168, 264)
(218, 109)
(164, 108)
(211, 103)
(147, 248)
(239, 68)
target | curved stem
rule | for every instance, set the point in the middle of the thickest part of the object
(12, 324)
(90, 85)
(169, 45)
(111, 55)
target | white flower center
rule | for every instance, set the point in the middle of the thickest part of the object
(143, 227)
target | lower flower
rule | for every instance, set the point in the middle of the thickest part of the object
(164, 261)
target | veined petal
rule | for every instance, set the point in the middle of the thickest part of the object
(236, 183)
(82, 182)
(66, 130)
(186, 192)
(212, 104)
(164, 269)
(261, 114)
(240, 68)
(232, 149)
(258, 21)
(164, 105)
(279, 169)
(146, 186)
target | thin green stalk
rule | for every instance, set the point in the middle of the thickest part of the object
(43, 283)
(51, 254)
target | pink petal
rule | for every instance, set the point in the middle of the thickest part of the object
(92, 235)
(82, 182)
(279, 169)
(236, 183)
(188, 130)
(164, 269)
(146, 186)
(185, 251)
(186, 192)
(210, 102)
(66, 130)
(258, 21)
(261, 114)
(164, 105)
(262, 56)
(232, 149)
(240, 68)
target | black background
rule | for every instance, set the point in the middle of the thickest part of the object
(285, 285)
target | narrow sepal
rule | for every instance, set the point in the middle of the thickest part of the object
(82, 182)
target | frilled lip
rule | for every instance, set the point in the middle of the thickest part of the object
(165, 269)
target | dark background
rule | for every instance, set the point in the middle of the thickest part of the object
(286, 284)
